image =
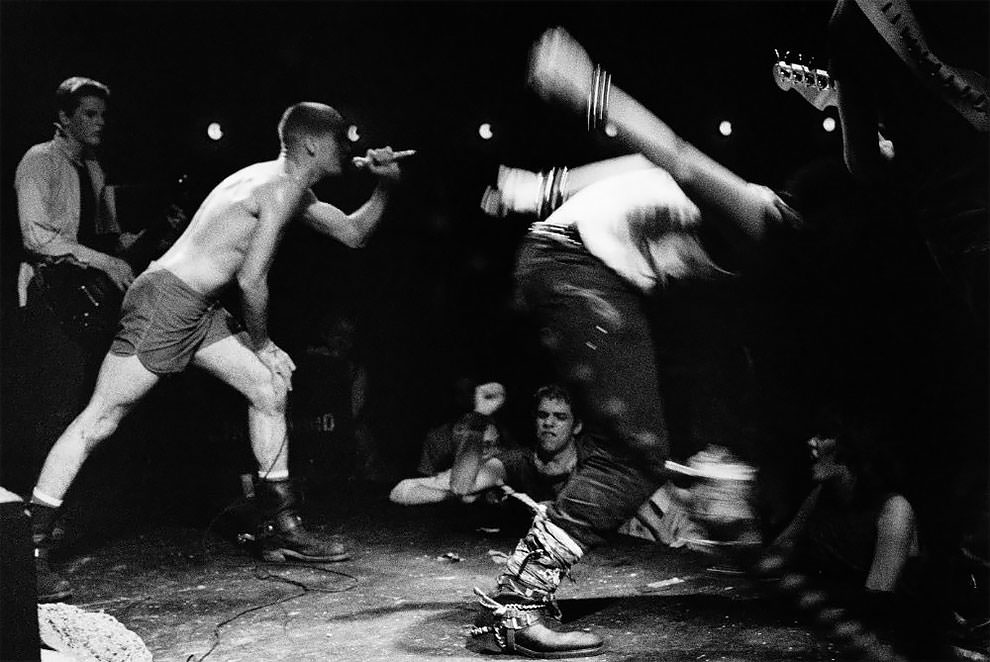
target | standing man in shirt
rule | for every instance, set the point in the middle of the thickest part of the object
(65, 215)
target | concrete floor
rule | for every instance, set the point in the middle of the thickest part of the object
(192, 594)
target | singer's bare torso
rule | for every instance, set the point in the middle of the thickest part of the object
(211, 252)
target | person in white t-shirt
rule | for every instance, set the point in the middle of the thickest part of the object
(607, 235)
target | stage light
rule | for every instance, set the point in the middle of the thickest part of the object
(485, 131)
(725, 128)
(214, 131)
(828, 124)
(352, 133)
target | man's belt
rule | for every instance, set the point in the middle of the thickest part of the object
(567, 233)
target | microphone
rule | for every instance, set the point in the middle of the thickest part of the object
(364, 162)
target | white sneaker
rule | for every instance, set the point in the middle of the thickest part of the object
(720, 500)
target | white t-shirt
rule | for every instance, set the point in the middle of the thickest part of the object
(640, 224)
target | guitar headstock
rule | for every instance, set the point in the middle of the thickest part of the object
(816, 85)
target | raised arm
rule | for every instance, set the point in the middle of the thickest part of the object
(562, 72)
(471, 472)
(490, 473)
(469, 437)
(525, 192)
(355, 228)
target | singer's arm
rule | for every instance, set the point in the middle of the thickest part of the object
(354, 229)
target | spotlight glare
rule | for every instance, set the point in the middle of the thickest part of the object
(725, 128)
(352, 133)
(214, 131)
(828, 124)
(485, 131)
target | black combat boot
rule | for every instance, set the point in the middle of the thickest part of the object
(281, 534)
(51, 586)
(512, 619)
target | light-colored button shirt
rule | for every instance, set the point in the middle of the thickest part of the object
(47, 186)
(639, 223)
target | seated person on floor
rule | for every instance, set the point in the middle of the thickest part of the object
(539, 472)
(445, 443)
(853, 524)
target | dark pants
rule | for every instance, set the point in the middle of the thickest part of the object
(50, 375)
(19, 638)
(594, 326)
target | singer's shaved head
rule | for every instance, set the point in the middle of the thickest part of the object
(309, 119)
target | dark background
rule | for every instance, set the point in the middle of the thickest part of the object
(431, 292)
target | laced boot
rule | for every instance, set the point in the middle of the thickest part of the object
(281, 534)
(512, 619)
(51, 586)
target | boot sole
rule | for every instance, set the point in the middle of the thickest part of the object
(279, 556)
(583, 652)
(490, 645)
(55, 597)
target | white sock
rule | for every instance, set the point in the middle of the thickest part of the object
(274, 475)
(45, 500)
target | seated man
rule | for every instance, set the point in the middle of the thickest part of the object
(445, 443)
(540, 472)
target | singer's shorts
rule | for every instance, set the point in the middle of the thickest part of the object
(165, 322)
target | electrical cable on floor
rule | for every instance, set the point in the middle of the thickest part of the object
(268, 576)
(264, 575)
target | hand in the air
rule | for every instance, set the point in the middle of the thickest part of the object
(278, 362)
(381, 162)
(777, 212)
(560, 69)
(517, 191)
(520, 189)
(886, 147)
(492, 204)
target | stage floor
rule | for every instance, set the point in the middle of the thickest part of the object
(193, 594)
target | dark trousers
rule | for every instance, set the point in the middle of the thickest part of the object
(594, 326)
(49, 375)
(19, 638)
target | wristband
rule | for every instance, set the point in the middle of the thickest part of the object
(598, 98)
(550, 191)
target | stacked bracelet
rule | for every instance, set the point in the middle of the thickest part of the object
(601, 87)
(551, 191)
(558, 186)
